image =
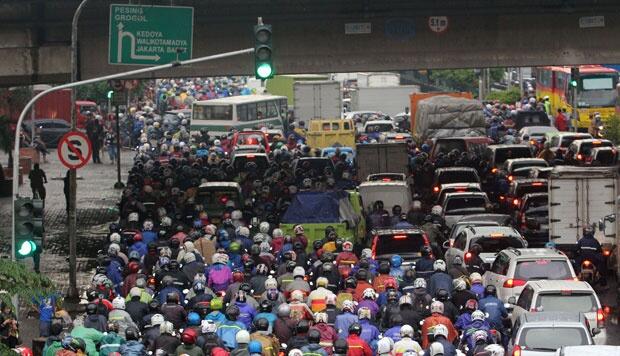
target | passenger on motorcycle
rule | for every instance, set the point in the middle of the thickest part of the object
(588, 248)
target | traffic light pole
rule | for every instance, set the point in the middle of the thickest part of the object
(29, 105)
(118, 184)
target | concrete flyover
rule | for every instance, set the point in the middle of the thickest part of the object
(309, 35)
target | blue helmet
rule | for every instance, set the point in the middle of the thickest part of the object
(193, 319)
(425, 148)
(255, 347)
(397, 261)
(197, 223)
(223, 234)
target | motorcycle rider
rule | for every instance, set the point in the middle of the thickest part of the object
(589, 248)
(494, 308)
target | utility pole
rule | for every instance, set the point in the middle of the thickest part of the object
(72, 293)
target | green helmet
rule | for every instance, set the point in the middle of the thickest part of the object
(217, 304)
(234, 246)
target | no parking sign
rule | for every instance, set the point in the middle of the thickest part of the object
(74, 150)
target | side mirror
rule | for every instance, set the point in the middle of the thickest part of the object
(525, 138)
(512, 300)
(446, 244)
(601, 225)
(596, 331)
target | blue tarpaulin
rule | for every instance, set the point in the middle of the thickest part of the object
(314, 207)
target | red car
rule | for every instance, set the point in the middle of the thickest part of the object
(250, 138)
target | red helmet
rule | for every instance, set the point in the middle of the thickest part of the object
(390, 283)
(24, 351)
(133, 267)
(238, 276)
(189, 336)
(137, 237)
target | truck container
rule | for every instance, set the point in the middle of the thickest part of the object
(381, 158)
(283, 84)
(580, 196)
(317, 100)
(389, 100)
(378, 79)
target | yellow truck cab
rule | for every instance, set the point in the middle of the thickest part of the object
(329, 132)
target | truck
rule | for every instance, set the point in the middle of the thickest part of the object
(283, 84)
(317, 100)
(581, 196)
(381, 158)
(390, 100)
(378, 79)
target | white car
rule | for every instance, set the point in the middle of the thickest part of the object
(514, 267)
(562, 296)
(492, 239)
(599, 350)
(457, 205)
(533, 134)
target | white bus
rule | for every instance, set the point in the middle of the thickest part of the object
(219, 116)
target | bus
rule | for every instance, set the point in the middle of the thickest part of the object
(596, 91)
(221, 116)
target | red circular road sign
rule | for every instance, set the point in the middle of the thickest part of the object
(438, 24)
(74, 149)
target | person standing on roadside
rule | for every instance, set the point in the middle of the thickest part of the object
(37, 180)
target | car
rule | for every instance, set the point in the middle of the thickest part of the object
(602, 156)
(496, 155)
(540, 172)
(560, 141)
(273, 133)
(513, 267)
(561, 296)
(543, 333)
(518, 188)
(386, 177)
(449, 175)
(533, 218)
(492, 239)
(217, 196)
(479, 220)
(580, 150)
(456, 188)
(521, 167)
(391, 193)
(407, 243)
(395, 137)
(372, 130)
(599, 350)
(360, 117)
(316, 166)
(239, 161)
(251, 138)
(329, 152)
(472, 145)
(50, 130)
(457, 205)
(534, 135)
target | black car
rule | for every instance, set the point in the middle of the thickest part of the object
(50, 130)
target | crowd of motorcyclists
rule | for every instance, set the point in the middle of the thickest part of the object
(172, 280)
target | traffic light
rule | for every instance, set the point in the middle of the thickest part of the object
(263, 61)
(28, 227)
(574, 76)
(110, 93)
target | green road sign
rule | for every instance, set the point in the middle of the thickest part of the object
(150, 35)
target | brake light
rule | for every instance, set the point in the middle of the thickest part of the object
(467, 256)
(494, 170)
(580, 156)
(497, 235)
(516, 350)
(606, 253)
(460, 190)
(501, 197)
(436, 189)
(510, 178)
(511, 283)
(386, 180)
(606, 310)
(515, 202)
(399, 137)
(600, 318)
(587, 263)
(532, 142)
(426, 241)
(399, 237)
(250, 156)
(596, 142)
(537, 184)
(224, 199)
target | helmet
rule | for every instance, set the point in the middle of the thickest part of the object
(314, 336)
(73, 344)
(118, 303)
(271, 283)
(265, 306)
(148, 225)
(232, 312)
(392, 295)
(439, 265)
(355, 329)
(284, 310)
(396, 261)
(243, 231)
(440, 329)
(471, 305)
(320, 317)
(494, 350)
(255, 347)
(369, 293)
(426, 251)
(172, 298)
(436, 349)
(277, 233)
(208, 326)
(477, 315)
(216, 304)
(364, 313)
(348, 305)
(242, 337)
(341, 346)
(297, 295)
(23, 351)
(362, 275)
(261, 324)
(384, 267)
(419, 283)
(299, 272)
(322, 282)
(263, 227)
(384, 345)
(480, 335)
(238, 276)
(406, 331)
(390, 283)
(157, 319)
(347, 246)
(405, 300)
(490, 290)
(115, 237)
(436, 210)
(475, 277)
(193, 319)
(166, 328)
(442, 295)
(459, 284)
(217, 142)
(350, 283)
(132, 333)
(302, 326)
(298, 230)
(437, 307)
(588, 230)
(133, 217)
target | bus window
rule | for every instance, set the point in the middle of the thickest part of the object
(261, 110)
(242, 112)
(326, 126)
(597, 83)
(272, 109)
(215, 112)
(335, 126)
(251, 112)
(545, 78)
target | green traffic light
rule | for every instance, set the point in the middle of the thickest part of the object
(26, 248)
(573, 83)
(264, 71)
(110, 93)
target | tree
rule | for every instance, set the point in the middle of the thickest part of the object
(611, 130)
(17, 280)
(510, 96)
(456, 79)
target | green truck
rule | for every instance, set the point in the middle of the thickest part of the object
(315, 211)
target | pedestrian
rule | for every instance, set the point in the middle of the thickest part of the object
(560, 121)
(110, 145)
(37, 180)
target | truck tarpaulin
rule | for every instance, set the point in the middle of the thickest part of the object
(319, 207)
(447, 116)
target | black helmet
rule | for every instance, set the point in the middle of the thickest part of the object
(288, 256)
(350, 283)
(327, 257)
(246, 288)
(392, 295)
(327, 268)
(232, 312)
(314, 336)
(172, 298)
(490, 290)
(154, 306)
(302, 327)
(476, 249)
(91, 309)
(364, 263)
(248, 265)
(317, 244)
(409, 275)
(384, 267)
(132, 333)
(290, 266)
(356, 329)
(261, 324)
(396, 320)
(265, 306)
(362, 275)
(426, 251)
(173, 265)
(341, 347)
(442, 295)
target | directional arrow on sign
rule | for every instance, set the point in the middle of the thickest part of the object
(122, 34)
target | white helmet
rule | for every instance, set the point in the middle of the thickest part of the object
(475, 277)
(440, 329)
(406, 331)
(271, 283)
(118, 303)
(320, 317)
(259, 238)
(166, 328)
(385, 345)
(157, 319)
(148, 225)
(298, 230)
(366, 253)
(459, 284)
(369, 293)
(166, 221)
(115, 237)
(277, 233)
(477, 315)
(243, 231)
(419, 283)
(181, 116)
(494, 350)
(347, 246)
(133, 217)
(299, 271)
(236, 215)
(437, 307)
(263, 227)
(217, 142)
(436, 210)
(242, 337)
(436, 349)
(439, 265)
(208, 326)
(480, 335)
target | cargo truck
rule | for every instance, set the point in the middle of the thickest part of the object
(317, 100)
(381, 158)
(390, 100)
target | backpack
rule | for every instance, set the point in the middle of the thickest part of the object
(219, 276)
(421, 302)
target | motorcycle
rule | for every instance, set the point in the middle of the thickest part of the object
(588, 272)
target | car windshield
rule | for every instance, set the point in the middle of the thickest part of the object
(567, 302)
(241, 161)
(379, 128)
(567, 140)
(586, 147)
(445, 146)
(399, 244)
(317, 165)
(502, 154)
(536, 202)
(217, 196)
(471, 203)
(518, 165)
(464, 176)
(552, 338)
(530, 188)
(543, 269)
(497, 244)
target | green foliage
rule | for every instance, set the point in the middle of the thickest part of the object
(6, 138)
(612, 129)
(96, 92)
(18, 280)
(5, 351)
(456, 79)
(509, 96)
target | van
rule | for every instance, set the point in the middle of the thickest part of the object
(330, 132)
(390, 193)
(217, 196)
(472, 145)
